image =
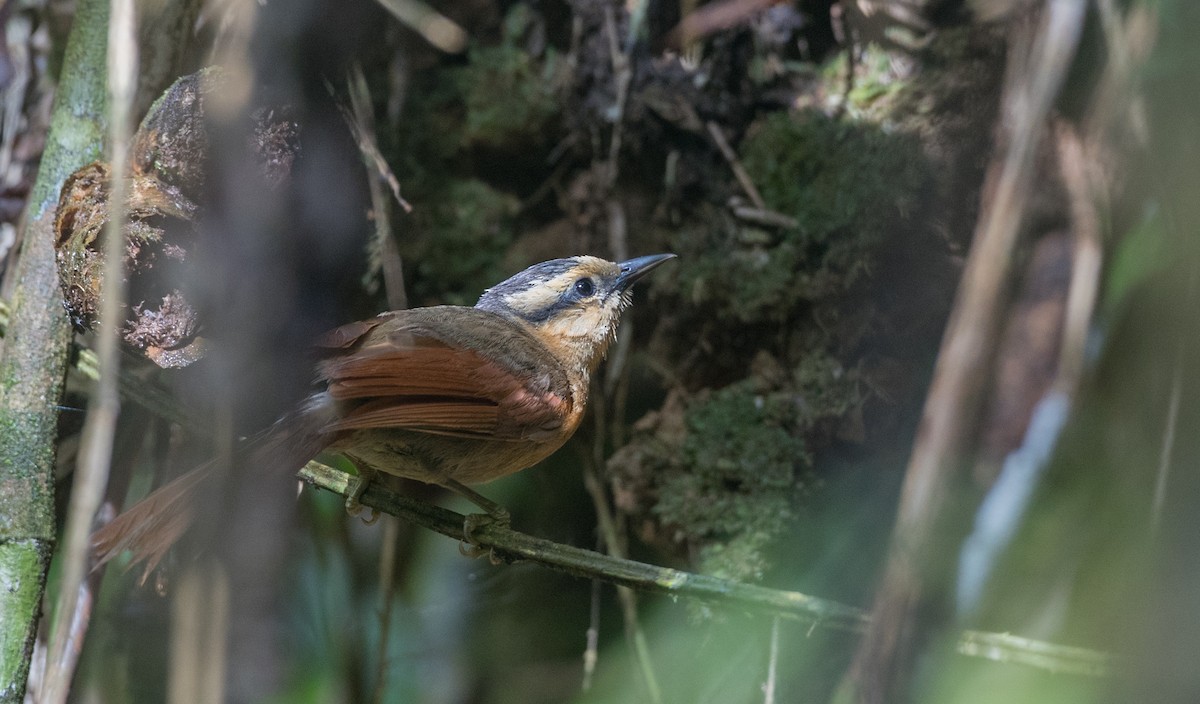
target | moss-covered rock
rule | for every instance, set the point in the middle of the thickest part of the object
(498, 104)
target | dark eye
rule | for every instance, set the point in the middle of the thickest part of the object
(585, 288)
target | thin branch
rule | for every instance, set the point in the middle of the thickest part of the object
(623, 76)
(433, 26)
(397, 299)
(739, 172)
(770, 218)
(591, 652)
(1087, 256)
(1167, 447)
(1061, 659)
(387, 574)
(360, 118)
(199, 637)
(772, 665)
(511, 546)
(714, 17)
(612, 541)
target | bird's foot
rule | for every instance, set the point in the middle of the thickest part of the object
(469, 546)
(357, 486)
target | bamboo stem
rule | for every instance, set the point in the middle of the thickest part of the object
(34, 361)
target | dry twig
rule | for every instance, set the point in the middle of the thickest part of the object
(739, 172)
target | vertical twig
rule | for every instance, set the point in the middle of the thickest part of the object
(622, 77)
(1088, 256)
(1166, 450)
(614, 546)
(384, 255)
(739, 172)
(591, 652)
(34, 359)
(362, 123)
(95, 456)
(387, 575)
(622, 65)
(772, 664)
(842, 25)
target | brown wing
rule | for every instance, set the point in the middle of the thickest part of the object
(406, 379)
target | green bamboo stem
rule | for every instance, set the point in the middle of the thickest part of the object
(34, 360)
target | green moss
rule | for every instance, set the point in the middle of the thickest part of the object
(509, 94)
(502, 99)
(737, 482)
(848, 185)
(875, 82)
(465, 229)
(825, 389)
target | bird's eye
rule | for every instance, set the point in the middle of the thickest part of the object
(585, 287)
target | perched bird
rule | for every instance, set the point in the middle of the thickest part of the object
(447, 395)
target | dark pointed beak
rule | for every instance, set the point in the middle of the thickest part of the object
(635, 269)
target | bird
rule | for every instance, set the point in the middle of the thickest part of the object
(447, 395)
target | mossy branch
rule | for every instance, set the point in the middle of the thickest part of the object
(510, 546)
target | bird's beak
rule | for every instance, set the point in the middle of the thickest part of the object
(635, 269)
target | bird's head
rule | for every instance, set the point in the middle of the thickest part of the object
(571, 304)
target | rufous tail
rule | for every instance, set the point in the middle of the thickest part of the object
(150, 527)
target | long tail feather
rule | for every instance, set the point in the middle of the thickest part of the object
(150, 527)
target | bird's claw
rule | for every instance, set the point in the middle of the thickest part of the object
(469, 546)
(353, 506)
